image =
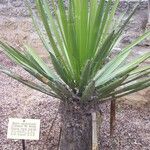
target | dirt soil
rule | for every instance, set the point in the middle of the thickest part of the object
(18, 101)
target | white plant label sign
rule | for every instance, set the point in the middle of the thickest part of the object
(25, 129)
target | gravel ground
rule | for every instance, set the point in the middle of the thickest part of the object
(19, 101)
(16, 100)
(132, 128)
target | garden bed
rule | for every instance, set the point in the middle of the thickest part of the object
(19, 101)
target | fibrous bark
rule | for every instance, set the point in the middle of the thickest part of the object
(76, 128)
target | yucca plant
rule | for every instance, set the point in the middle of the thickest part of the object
(80, 38)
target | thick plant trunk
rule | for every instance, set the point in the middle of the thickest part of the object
(76, 128)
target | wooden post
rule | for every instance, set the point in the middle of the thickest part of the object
(112, 116)
(96, 123)
(23, 145)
